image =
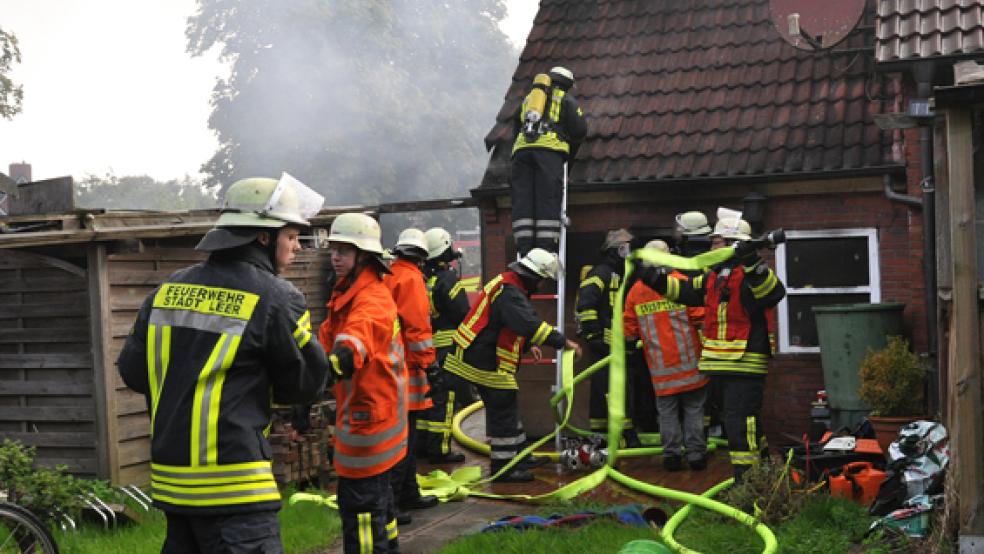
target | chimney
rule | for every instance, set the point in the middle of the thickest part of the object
(20, 173)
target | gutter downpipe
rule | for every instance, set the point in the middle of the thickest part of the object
(928, 185)
(927, 203)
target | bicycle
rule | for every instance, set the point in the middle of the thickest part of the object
(21, 532)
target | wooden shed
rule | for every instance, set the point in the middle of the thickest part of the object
(68, 296)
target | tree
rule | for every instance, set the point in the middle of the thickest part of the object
(10, 93)
(364, 100)
(140, 192)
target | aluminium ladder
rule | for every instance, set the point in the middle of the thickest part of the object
(560, 298)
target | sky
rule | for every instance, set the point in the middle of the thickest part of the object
(89, 70)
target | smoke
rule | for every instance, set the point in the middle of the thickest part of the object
(366, 101)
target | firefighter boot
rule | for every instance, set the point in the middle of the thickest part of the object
(450, 457)
(631, 438)
(672, 463)
(533, 462)
(420, 503)
(518, 473)
(403, 518)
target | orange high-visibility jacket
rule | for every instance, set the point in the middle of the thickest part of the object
(371, 412)
(669, 338)
(413, 306)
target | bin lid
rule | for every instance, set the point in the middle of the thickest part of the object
(861, 307)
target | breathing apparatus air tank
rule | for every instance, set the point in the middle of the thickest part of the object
(535, 104)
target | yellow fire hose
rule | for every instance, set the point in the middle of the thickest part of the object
(459, 484)
(616, 407)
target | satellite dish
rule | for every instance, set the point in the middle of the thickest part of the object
(815, 25)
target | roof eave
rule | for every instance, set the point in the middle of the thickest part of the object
(628, 184)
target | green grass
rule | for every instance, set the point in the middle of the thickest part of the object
(305, 527)
(826, 525)
(601, 537)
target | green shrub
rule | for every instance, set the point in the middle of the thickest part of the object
(893, 380)
(44, 491)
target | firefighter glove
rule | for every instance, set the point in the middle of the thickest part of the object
(747, 252)
(598, 346)
(654, 278)
(434, 375)
(342, 363)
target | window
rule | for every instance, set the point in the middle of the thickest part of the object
(821, 268)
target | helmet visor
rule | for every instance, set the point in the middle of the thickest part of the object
(293, 201)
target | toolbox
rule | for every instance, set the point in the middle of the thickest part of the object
(816, 462)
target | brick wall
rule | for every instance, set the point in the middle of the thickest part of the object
(793, 379)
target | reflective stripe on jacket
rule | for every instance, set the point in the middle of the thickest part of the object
(494, 334)
(371, 413)
(406, 284)
(669, 337)
(210, 348)
(595, 300)
(736, 299)
(448, 302)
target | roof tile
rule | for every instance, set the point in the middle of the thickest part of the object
(912, 29)
(708, 89)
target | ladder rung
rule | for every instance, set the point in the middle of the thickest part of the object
(543, 361)
(543, 297)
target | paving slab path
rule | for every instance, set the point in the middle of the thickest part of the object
(437, 526)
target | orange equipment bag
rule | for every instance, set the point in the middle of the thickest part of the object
(858, 481)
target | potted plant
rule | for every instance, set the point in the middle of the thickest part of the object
(893, 384)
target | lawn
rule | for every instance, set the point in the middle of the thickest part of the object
(830, 526)
(304, 527)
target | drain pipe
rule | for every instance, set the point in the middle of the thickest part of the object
(924, 90)
(927, 203)
(906, 199)
(928, 185)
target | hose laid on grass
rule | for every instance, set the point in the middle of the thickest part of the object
(671, 525)
(616, 408)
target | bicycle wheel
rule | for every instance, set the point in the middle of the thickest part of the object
(21, 532)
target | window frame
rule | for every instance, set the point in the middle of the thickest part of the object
(873, 289)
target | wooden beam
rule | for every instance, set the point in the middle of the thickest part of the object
(61, 283)
(63, 439)
(427, 205)
(44, 334)
(71, 306)
(44, 388)
(47, 413)
(78, 466)
(104, 384)
(965, 422)
(32, 259)
(81, 360)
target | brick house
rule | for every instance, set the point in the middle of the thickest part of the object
(700, 105)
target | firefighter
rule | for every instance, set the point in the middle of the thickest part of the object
(593, 310)
(672, 348)
(691, 233)
(362, 334)
(210, 349)
(538, 165)
(489, 343)
(736, 351)
(406, 283)
(448, 307)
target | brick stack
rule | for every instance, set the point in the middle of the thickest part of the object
(300, 458)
